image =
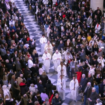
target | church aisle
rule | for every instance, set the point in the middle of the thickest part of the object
(35, 33)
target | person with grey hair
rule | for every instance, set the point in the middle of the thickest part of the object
(56, 100)
(83, 82)
(93, 97)
(87, 92)
(98, 102)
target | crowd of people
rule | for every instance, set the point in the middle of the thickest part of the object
(73, 40)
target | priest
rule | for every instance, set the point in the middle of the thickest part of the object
(61, 86)
(61, 69)
(43, 41)
(48, 47)
(56, 59)
(74, 85)
(46, 61)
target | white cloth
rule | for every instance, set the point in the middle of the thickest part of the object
(12, 23)
(74, 92)
(6, 91)
(49, 48)
(43, 41)
(61, 87)
(48, 32)
(30, 63)
(97, 28)
(32, 89)
(56, 59)
(101, 61)
(41, 71)
(46, 61)
(54, 2)
(45, 2)
(63, 72)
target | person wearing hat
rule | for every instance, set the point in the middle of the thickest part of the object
(46, 61)
(74, 85)
(43, 41)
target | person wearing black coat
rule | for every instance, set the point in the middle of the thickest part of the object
(15, 91)
(49, 88)
(83, 82)
(102, 88)
(87, 92)
(40, 87)
(23, 88)
(93, 97)
(56, 100)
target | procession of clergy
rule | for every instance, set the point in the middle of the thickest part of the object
(59, 66)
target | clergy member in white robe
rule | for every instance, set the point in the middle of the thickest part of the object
(74, 85)
(43, 41)
(49, 48)
(46, 61)
(61, 69)
(61, 86)
(48, 32)
(56, 59)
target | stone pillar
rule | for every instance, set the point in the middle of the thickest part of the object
(96, 3)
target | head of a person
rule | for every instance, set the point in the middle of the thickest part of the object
(89, 75)
(56, 95)
(74, 77)
(104, 81)
(57, 51)
(93, 89)
(83, 75)
(89, 84)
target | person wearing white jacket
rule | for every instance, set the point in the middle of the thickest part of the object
(45, 2)
(46, 61)
(101, 60)
(54, 2)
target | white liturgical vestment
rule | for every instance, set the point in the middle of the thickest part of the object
(61, 70)
(61, 87)
(56, 60)
(46, 61)
(49, 48)
(43, 41)
(74, 89)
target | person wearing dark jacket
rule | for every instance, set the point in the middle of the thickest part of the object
(87, 92)
(23, 88)
(56, 100)
(93, 97)
(40, 86)
(83, 82)
(102, 88)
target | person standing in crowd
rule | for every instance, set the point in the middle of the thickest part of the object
(74, 85)
(61, 70)
(93, 97)
(61, 85)
(56, 59)
(43, 41)
(49, 47)
(87, 92)
(46, 61)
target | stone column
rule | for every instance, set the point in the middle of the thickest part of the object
(96, 3)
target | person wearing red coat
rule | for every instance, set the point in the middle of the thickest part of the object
(79, 74)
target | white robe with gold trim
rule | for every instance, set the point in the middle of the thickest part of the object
(46, 61)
